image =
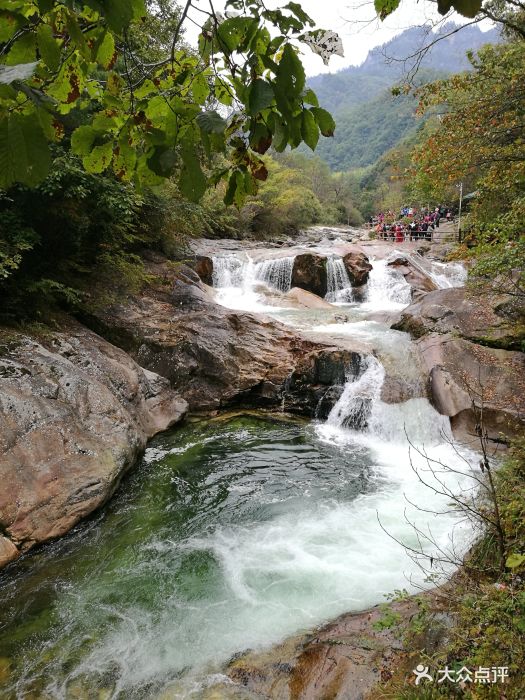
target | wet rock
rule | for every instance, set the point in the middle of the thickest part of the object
(464, 313)
(466, 378)
(317, 382)
(8, 552)
(218, 358)
(360, 293)
(204, 269)
(398, 389)
(358, 268)
(343, 660)
(75, 413)
(309, 272)
(300, 298)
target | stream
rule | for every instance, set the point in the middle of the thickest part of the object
(236, 532)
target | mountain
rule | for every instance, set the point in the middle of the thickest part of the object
(370, 120)
(363, 134)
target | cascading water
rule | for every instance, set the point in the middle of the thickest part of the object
(355, 404)
(228, 271)
(276, 273)
(387, 287)
(240, 281)
(338, 282)
(236, 533)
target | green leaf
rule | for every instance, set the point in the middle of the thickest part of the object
(232, 31)
(298, 11)
(309, 130)
(106, 50)
(45, 6)
(467, 8)
(211, 122)
(236, 190)
(192, 182)
(200, 88)
(82, 140)
(290, 73)
(48, 47)
(280, 138)
(223, 93)
(124, 159)
(23, 50)
(23, 71)
(119, 13)
(100, 157)
(385, 7)
(325, 120)
(24, 151)
(260, 97)
(515, 560)
(10, 23)
(77, 37)
(310, 98)
(260, 137)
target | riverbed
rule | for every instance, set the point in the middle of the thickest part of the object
(236, 532)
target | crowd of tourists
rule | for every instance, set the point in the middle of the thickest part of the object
(409, 224)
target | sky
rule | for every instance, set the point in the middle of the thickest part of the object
(356, 23)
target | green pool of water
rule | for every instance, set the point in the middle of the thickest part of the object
(230, 534)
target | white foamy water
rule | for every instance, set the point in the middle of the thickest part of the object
(387, 288)
(277, 540)
(338, 282)
(241, 282)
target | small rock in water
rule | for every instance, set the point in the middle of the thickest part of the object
(341, 318)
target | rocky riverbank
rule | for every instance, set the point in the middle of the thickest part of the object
(77, 406)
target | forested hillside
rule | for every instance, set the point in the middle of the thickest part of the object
(370, 120)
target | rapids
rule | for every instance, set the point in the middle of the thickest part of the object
(236, 532)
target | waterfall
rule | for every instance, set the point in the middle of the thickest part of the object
(354, 407)
(338, 282)
(233, 271)
(387, 287)
(276, 273)
(240, 281)
(360, 408)
(444, 275)
(228, 271)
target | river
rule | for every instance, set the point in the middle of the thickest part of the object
(238, 531)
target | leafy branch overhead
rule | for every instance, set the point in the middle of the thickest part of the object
(80, 72)
(467, 8)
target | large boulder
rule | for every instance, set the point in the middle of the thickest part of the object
(309, 272)
(358, 267)
(218, 358)
(75, 414)
(204, 268)
(476, 385)
(476, 317)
